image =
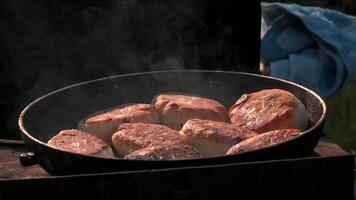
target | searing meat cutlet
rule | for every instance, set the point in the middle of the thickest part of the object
(176, 109)
(104, 124)
(213, 138)
(165, 152)
(133, 136)
(77, 141)
(268, 110)
(264, 140)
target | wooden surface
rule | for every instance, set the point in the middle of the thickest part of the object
(10, 167)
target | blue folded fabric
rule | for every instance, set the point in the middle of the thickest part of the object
(311, 46)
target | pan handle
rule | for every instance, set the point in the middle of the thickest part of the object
(12, 143)
(28, 159)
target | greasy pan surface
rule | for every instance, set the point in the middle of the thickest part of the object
(64, 108)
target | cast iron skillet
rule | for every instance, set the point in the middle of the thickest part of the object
(63, 108)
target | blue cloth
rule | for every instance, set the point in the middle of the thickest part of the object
(311, 46)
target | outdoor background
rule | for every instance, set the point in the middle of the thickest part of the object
(341, 119)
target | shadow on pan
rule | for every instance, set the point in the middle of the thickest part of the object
(64, 108)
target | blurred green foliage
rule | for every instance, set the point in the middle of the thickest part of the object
(341, 117)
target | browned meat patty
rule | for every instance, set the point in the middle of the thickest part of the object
(133, 136)
(176, 109)
(165, 152)
(104, 124)
(268, 110)
(213, 138)
(264, 140)
(77, 141)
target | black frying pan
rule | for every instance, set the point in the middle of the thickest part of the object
(64, 108)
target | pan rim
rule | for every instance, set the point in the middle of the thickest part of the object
(27, 134)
